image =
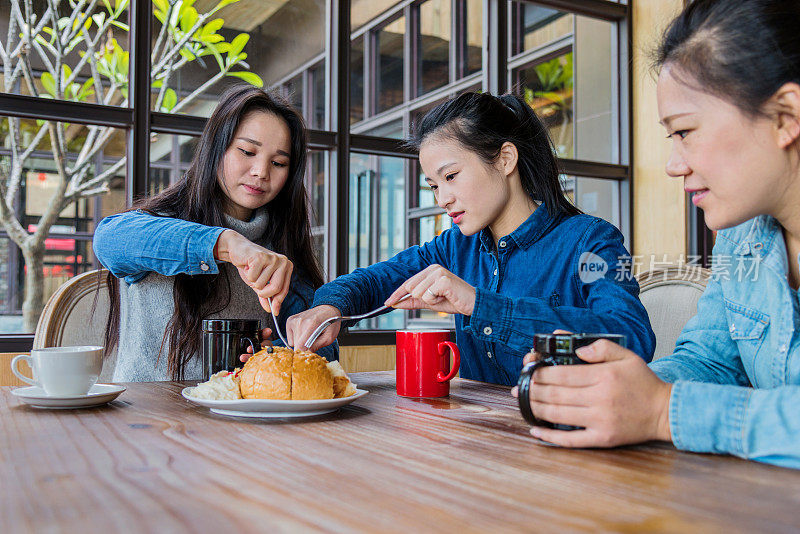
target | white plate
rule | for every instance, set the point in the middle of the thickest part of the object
(99, 394)
(273, 408)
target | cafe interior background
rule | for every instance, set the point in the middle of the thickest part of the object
(361, 72)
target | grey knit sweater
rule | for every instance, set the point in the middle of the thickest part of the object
(147, 306)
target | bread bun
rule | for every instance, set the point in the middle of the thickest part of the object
(267, 375)
(342, 387)
(280, 373)
(310, 377)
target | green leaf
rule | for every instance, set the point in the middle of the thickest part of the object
(157, 84)
(49, 83)
(249, 77)
(170, 99)
(122, 5)
(216, 52)
(121, 26)
(211, 39)
(108, 7)
(87, 90)
(188, 19)
(184, 52)
(66, 72)
(163, 5)
(213, 26)
(237, 45)
(224, 3)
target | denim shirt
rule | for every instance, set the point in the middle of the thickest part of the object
(530, 283)
(133, 244)
(736, 365)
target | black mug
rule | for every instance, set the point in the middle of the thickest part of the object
(224, 340)
(555, 349)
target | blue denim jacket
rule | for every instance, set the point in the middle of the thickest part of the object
(173, 246)
(736, 365)
(530, 283)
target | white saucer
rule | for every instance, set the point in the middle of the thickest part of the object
(99, 394)
(273, 408)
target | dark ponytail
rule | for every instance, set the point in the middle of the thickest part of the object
(482, 122)
(742, 51)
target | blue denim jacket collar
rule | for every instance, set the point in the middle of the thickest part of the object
(763, 238)
(758, 238)
(526, 233)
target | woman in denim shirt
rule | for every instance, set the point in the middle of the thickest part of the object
(217, 244)
(520, 258)
(729, 96)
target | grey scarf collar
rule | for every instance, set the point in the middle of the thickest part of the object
(254, 229)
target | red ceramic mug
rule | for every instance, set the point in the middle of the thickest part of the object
(423, 363)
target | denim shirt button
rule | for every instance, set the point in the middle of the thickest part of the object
(783, 348)
(203, 266)
(495, 272)
(733, 328)
(502, 244)
(488, 330)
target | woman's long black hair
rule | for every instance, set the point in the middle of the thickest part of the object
(482, 122)
(197, 197)
(741, 51)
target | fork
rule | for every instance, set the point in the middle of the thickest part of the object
(277, 326)
(327, 322)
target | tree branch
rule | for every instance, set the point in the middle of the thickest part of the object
(96, 146)
(199, 90)
(161, 35)
(185, 39)
(92, 185)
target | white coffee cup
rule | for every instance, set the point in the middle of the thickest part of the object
(62, 371)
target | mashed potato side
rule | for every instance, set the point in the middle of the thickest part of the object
(221, 386)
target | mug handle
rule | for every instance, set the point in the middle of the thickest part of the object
(22, 377)
(440, 376)
(524, 390)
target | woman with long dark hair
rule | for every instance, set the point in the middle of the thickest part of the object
(242, 204)
(520, 259)
(729, 98)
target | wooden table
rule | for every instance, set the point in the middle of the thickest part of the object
(151, 461)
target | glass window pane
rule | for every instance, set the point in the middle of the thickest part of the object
(293, 90)
(595, 196)
(356, 80)
(474, 36)
(595, 102)
(34, 182)
(191, 79)
(170, 156)
(392, 129)
(535, 26)
(318, 98)
(574, 90)
(316, 185)
(389, 82)
(363, 11)
(434, 45)
(75, 82)
(376, 219)
(547, 87)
